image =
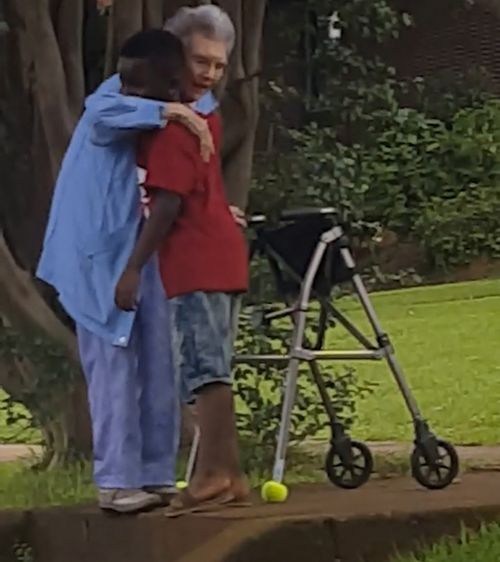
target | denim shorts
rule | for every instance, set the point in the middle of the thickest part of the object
(203, 332)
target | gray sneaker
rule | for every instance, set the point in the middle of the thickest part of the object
(127, 501)
(166, 493)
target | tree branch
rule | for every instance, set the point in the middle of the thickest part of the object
(41, 52)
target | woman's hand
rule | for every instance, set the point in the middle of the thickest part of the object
(196, 124)
(238, 216)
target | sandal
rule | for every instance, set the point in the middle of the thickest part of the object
(185, 504)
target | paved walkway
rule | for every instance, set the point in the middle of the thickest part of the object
(484, 457)
(472, 457)
(9, 453)
(318, 523)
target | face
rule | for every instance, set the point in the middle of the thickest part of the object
(140, 78)
(207, 61)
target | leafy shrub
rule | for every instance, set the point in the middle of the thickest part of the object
(414, 175)
(445, 93)
(383, 165)
(455, 231)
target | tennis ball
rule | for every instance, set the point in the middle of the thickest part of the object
(274, 492)
(181, 485)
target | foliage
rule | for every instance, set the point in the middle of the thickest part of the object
(429, 172)
(422, 173)
(16, 423)
(353, 84)
(457, 230)
(40, 395)
(445, 93)
(351, 90)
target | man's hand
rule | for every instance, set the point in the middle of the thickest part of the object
(196, 124)
(238, 215)
(127, 289)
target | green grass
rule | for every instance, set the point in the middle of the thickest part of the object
(481, 547)
(19, 431)
(21, 487)
(447, 340)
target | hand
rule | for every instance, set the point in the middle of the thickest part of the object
(196, 124)
(238, 215)
(127, 289)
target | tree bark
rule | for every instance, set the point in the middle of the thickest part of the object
(40, 99)
(240, 107)
(128, 17)
(494, 5)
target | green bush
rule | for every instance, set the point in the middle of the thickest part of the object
(457, 230)
(418, 176)
(443, 94)
(385, 166)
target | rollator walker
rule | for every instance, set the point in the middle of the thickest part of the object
(309, 254)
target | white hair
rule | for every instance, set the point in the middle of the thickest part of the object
(208, 20)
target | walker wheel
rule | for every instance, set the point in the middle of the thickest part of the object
(439, 474)
(353, 474)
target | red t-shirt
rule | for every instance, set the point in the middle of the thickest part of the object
(205, 249)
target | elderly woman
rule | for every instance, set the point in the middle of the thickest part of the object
(92, 227)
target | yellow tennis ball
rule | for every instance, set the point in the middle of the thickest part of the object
(274, 492)
(181, 485)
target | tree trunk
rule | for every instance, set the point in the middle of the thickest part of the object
(240, 107)
(40, 100)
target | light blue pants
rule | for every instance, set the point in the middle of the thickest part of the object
(134, 396)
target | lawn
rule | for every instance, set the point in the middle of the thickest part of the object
(481, 547)
(23, 488)
(447, 340)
